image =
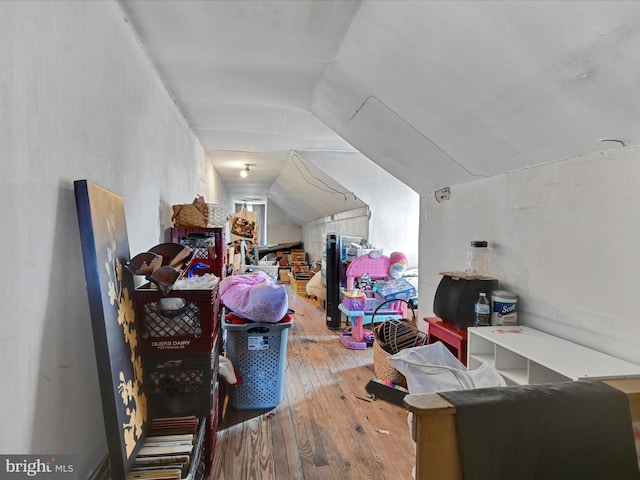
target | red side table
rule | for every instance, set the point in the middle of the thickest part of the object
(454, 339)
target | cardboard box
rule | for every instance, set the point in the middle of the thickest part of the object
(299, 267)
(284, 258)
(284, 275)
(396, 289)
(297, 256)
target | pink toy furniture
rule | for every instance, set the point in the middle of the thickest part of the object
(376, 266)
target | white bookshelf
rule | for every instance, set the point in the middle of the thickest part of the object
(524, 355)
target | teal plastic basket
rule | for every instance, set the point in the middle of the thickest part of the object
(259, 352)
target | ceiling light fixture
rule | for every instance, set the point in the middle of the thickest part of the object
(245, 171)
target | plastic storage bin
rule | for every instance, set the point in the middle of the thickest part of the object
(204, 242)
(181, 384)
(300, 286)
(353, 301)
(259, 352)
(192, 328)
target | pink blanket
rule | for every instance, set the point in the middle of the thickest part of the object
(255, 297)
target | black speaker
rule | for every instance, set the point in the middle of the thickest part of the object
(333, 268)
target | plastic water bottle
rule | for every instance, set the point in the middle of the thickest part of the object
(483, 311)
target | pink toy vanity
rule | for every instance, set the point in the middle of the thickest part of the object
(376, 266)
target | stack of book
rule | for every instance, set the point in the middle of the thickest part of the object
(171, 451)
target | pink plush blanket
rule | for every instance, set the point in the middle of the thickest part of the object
(255, 297)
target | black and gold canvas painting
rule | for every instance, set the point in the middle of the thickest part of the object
(105, 250)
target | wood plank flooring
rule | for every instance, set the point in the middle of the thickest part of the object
(321, 430)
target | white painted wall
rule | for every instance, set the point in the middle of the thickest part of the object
(394, 207)
(352, 223)
(564, 237)
(78, 99)
(280, 227)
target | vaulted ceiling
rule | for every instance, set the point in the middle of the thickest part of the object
(435, 92)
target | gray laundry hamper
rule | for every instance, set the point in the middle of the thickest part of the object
(259, 352)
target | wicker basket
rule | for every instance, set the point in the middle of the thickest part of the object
(391, 336)
(190, 215)
(217, 215)
(384, 370)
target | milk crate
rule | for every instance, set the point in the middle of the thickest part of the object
(204, 242)
(259, 352)
(180, 384)
(179, 322)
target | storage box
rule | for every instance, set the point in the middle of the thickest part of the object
(298, 267)
(396, 289)
(297, 256)
(191, 327)
(353, 301)
(181, 384)
(302, 275)
(283, 274)
(259, 352)
(205, 242)
(284, 258)
(300, 286)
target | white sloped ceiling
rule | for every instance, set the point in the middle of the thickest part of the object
(306, 193)
(435, 92)
(440, 93)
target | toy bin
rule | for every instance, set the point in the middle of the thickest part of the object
(353, 301)
(259, 352)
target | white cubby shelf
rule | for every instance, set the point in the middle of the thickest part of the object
(523, 355)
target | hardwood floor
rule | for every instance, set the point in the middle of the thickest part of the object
(321, 430)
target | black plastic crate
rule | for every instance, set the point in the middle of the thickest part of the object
(181, 384)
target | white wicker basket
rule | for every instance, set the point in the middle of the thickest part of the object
(217, 216)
